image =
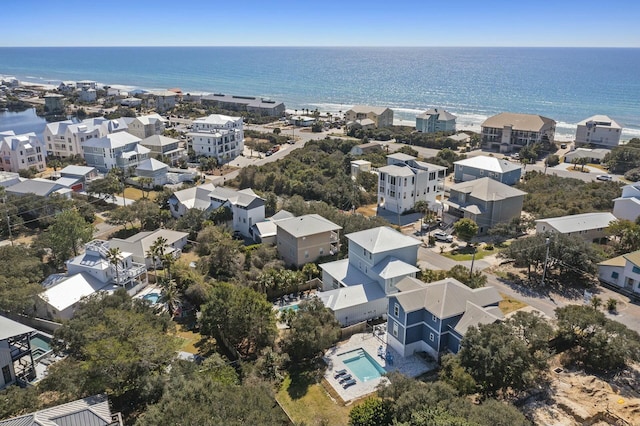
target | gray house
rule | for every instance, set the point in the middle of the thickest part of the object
(485, 201)
(481, 166)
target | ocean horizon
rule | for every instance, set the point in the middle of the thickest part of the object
(565, 84)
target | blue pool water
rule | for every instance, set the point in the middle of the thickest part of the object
(152, 297)
(294, 308)
(362, 365)
(40, 345)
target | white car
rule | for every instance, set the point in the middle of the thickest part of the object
(604, 177)
(443, 236)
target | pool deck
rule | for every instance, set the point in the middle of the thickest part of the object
(411, 366)
(151, 288)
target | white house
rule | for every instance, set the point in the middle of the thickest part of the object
(87, 95)
(246, 207)
(622, 273)
(593, 155)
(196, 197)
(218, 136)
(164, 100)
(121, 149)
(65, 138)
(627, 206)
(86, 84)
(598, 131)
(153, 169)
(480, 166)
(405, 181)
(147, 125)
(506, 132)
(359, 166)
(16, 361)
(266, 232)
(139, 244)
(378, 259)
(588, 226)
(23, 151)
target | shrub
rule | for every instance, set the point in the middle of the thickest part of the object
(633, 175)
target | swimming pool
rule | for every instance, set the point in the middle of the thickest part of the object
(40, 345)
(152, 297)
(362, 365)
(294, 308)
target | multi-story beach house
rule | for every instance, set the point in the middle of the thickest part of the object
(485, 201)
(219, 136)
(18, 152)
(627, 206)
(434, 317)
(247, 208)
(147, 125)
(507, 131)
(405, 181)
(163, 100)
(304, 239)
(598, 131)
(436, 120)
(65, 138)
(16, 359)
(481, 166)
(54, 103)
(256, 105)
(381, 116)
(622, 273)
(122, 150)
(356, 288)
(164, 148)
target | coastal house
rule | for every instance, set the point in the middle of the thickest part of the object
(90, 411)
(485, 201)
(196, 197)
(507, 132)
(82, 174)
(154, 170)
(460, 138)
(9, 179)
(361, 124)
(86, 84)
(434, 317)
(87, 95)
(256, 105)
(305, 238)
(266, 232)
(355, 288)
(247, 208)
(121, 149)
(481, 166)
(359, 166)
(131, 102)
(598, 131)
(164, 148)
(405, 181)
(16, 359)
(622, 273)
(218, 136)
(40, 187)
(147, 125)
(301, 120)
(593, 155)
(139, 245)
(163, 100)
(366, 148)
(627, 206)
(381, 116)
(67, 86)
(18, 152)
(436, 120)
(65, 138)
(588, 226)
(53, 103)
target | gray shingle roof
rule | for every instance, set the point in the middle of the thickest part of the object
(579, 222)
(309, 224)
(90, 411)
(487, 189)
(526, 122)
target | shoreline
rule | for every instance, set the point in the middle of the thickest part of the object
(466, 121)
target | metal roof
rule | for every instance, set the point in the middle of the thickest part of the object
(309, 224)
(579, 222)
(491, 164)
(10, 328)
(382, 239)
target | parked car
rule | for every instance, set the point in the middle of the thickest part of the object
(443, 236)
(515, 155)
(604, 177)
(563, 146)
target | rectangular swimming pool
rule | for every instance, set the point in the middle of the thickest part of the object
(362, 365)
(294, 308)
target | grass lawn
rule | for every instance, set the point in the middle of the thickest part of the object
(308, 403)
(193, 342)
(509, 304)
(136, 194)
(460, 254)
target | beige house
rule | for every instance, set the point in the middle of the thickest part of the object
(306, 238)
(507, 131)
(588, 226)
(147, 125)
(381, 116)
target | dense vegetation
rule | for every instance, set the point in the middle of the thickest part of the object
(624, 158)
(552, 196)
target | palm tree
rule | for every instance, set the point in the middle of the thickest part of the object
(156, 250)
(114, 256)
(167, 262)
(170, 294)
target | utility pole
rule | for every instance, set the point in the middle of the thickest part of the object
(544, 270)
(473, 259)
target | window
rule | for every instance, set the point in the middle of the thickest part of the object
(306, 254)
(614, 275)
(395, 329)
(434, 318)
(6, 374)
(396, 310)
(636, 270)
(431, 337)
(321, 251)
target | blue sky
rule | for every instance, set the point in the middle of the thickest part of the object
(584, 23)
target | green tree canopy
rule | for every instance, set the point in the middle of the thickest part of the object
(67, 234)
(21, 275)
(466, 229)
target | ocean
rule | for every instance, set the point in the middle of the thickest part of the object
(566, 84)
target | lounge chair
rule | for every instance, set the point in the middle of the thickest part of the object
(345, 378)
(339, 373)
(348, 383)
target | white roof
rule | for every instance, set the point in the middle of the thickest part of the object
(113, 140)
(364, 109)
(151, 164)
(601, 121)
(579, 222)
(491, 164)
(150, 118)
(158, 140)
(486, 189)
(10, 328)
(140, 243)
(345, 273)
(71, 290)
(77, 170)
(216, 120)
(309, 224)
(396, 170)
(382, 239)
(346, 297)
(401, 156)
(391, 267)
(266, 229)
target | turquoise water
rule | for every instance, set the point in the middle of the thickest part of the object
(362, 365)
(294, 308)
(40, 341)
(566, 84)
(152, 297)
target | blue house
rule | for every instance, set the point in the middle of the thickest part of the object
(503, 171)
(436, 120)
(434, 317)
